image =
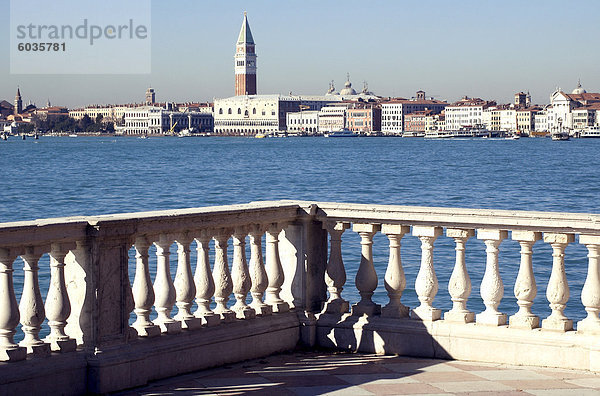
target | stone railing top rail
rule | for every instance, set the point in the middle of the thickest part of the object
(460, 217)
(44, 231)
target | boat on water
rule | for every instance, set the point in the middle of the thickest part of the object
(185, 133)
(260, 136)
(560, 136)
(73, 135)
(342, 133)
(512, 137)
(590, 132)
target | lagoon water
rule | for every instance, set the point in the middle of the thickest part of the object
(65, 176)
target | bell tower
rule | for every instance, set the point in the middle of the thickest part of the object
(245, 61)
(18, 109)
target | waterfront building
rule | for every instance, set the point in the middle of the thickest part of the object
(51, 112)
(466, 113)
(245, 61)
(364, 117)
(508, 119)
(156, 120)
(586, 116)
(333, 117)
(562, 106)
(252, 114)
(393, 111)
(109, 113)
(6, 109)
(303, 122)
(526, 120)
(416, 124)
(541, 122)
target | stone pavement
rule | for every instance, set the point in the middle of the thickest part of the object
(338, 373)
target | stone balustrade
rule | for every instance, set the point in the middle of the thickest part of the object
(182, 315)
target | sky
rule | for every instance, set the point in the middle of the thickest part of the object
(487, 49)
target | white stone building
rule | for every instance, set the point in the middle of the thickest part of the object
(394, 110)
(252, 114)
(508, 120)
(466, 113)
(562, 108)
(333, 118)
(541, 121)
(303, 122)
(156, 120)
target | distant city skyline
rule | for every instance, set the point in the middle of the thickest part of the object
(487, 50)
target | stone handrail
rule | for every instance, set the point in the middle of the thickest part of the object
(296, 290)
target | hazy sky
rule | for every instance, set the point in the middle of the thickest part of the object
(488, 49)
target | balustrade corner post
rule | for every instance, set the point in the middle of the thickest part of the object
(31, 306)
(274, 270)
(426, 284)
(525, 287)
(366, 277)
(203, 280)
(557, 292)
(395, 280)
(164, 289)
(335, 273)
(241, 275)
(492, 288)
(590, 294)
(9, 317)
(459, 285)
(222, 276)
(185, 289)
(258, 274)
(143, 292)
(109, 292)
(58, 307)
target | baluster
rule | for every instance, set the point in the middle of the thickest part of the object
(426, 284)
(459, 285)
(9, 310)
(492, 288)
(143, 293)
(184, 285)
(31, 306)
(222, 277)
(164, 290)
(274, 271)
(366, 277)
(258, 274)
(58, 307)
(557, 292)
(241, 276)
(525, 287)
(335, 273)
(590, 294)
(205, 286)
(394, 280)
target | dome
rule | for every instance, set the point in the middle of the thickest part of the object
(579, 90)
(348, 90)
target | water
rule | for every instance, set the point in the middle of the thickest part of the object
(54, 177)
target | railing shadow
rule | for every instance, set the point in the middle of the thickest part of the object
(303, 372)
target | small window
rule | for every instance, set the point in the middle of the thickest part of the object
(229, 111)
(254, 110)
(220, 111)
(239, 111)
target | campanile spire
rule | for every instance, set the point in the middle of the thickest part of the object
(245, 61)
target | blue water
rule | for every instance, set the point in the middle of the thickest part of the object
(84, 176)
